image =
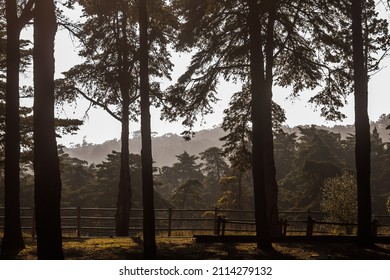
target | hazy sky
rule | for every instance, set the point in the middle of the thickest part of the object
(100, 126)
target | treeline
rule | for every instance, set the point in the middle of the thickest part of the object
(304, 161)
(165, 147)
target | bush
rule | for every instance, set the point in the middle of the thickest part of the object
(339, 199)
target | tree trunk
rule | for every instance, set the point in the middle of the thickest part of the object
(123, 207)
(146, 152)
(46, 163)
(12, 242)
(258, 111)
(271, 184)
(362, 127)
(239, 196)
(122, 215)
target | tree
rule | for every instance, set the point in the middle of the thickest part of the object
(285, 146)
(220, 32)
(318, 156)
(339, 199)
(107, 177)
(146, 152)
(362, 126)
(259, 114)
(237, 192)
(187, 168)
(378, 181)
(171, 178)
(46, 163)
(188, 195)
(12, 241)
(78, 182)
(215, 165)
(109, 76)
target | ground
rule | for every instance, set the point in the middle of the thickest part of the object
(186, 248)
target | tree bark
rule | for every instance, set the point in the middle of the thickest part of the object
(124, 205)
(258, 111)
(46, 163)
(271, 184)
(362, 127)
(12, 242)
(146, 152)
(122, 215)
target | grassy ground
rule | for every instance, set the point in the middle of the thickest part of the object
(186, 248)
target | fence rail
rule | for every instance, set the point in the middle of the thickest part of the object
(78, 221)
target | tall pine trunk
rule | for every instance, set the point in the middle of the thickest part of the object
(271, 184)
(46, 163)
(258, 111)
(146, 152)
(12, 242)
(362, 127)
(124, 205)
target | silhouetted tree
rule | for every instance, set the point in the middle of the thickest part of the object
(188, 195)
(214, 167)
(318, 156)
(187, 168)
(219, 31)
(362, 126)
(109, 77)
(12, 241)
(214, 163)
(46, 163)
(259, 125)
(285, 146)
(146, 152)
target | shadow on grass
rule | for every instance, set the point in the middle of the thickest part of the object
(222, 251)
(131, 248)
(337, 251)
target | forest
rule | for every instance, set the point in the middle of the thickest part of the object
(306, 153)
(329, 47)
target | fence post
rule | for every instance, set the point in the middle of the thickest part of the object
(284, 227)
(33, 223)
(310, 225)
(218, 227)
(375, 228)
(216, 221)
(169, 222)
(78, 221)
(223, 225)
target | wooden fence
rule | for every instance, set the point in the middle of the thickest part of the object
(81, 221)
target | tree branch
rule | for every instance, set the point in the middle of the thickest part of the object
(27, 14)
(97, 103)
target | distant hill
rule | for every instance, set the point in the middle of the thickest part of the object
(345, 130)
(166, 147)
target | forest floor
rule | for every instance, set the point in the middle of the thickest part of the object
(186, 248)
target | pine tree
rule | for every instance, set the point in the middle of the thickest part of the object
(146, 152)
(46, 163)
(362, 126)
(109, 78)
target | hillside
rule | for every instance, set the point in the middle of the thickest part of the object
(166, 147)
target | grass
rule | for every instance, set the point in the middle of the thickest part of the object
(185, 248)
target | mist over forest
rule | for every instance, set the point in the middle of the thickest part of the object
(165, 147)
